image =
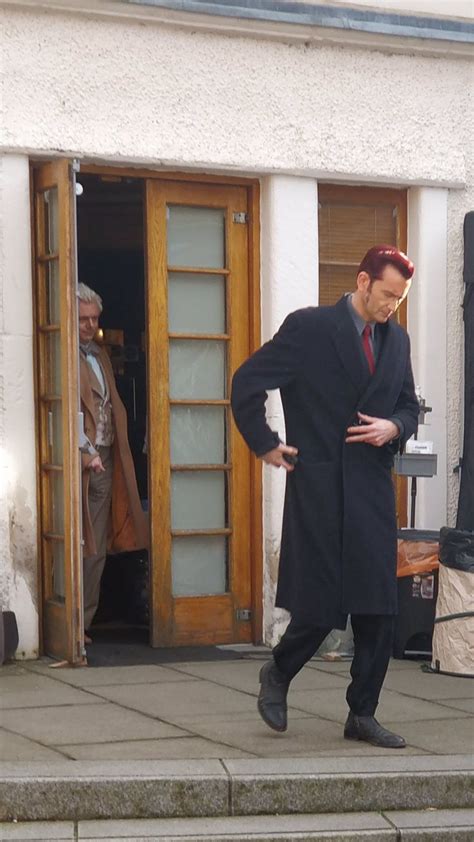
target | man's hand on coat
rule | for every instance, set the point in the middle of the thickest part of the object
(276, 458)
(96, 465)
(374, 431)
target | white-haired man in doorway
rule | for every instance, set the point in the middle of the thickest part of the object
(113, 519)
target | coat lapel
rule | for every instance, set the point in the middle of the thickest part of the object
(349, 346)
(86, 389)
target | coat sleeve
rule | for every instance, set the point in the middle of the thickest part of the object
(273, 366)
(407, 407)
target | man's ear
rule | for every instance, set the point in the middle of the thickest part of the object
(363, 281)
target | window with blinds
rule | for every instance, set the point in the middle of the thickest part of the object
(351, 220)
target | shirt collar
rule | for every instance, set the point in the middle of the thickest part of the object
(90, 348)
(359, 322)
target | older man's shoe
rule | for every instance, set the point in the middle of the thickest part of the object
(271, 703)
(368, 729)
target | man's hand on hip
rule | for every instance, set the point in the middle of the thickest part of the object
(96, 465)
(374, 431)
(276, 457)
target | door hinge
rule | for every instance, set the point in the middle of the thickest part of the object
(76, 165)
(240, 217)
(244, 615)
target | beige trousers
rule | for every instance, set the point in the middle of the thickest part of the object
(100, 499)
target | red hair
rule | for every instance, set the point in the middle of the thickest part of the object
(378, 257)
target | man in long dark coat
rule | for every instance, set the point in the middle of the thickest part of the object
(349, 402)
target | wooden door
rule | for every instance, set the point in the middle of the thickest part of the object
(351, 220)
(200, 469)
(55, 297)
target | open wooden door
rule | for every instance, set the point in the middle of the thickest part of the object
(200, 469)
(57, 411)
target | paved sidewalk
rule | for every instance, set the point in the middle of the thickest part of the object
(203, 710)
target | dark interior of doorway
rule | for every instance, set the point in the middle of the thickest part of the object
(111, 261)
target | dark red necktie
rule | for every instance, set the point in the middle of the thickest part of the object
(368, 348)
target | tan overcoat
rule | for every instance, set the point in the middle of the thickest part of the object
(128, 528)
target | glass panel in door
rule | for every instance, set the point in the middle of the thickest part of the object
(197, 377)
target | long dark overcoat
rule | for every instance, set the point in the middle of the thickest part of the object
(338, 549)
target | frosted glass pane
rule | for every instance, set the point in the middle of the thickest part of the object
(197, 369)
(196, 237)
(199, 565)
(55, 432)
(51, 222)
(53, 312)
(198, 435)
(196, 303)
(57, 502)
(198, 500)
(52, 358)
(57, 550)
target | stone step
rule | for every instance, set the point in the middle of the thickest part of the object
(408, 826)
(79, 791)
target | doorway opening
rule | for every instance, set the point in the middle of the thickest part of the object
(111, 260)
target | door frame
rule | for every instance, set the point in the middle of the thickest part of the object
(67, 619)
(252, 187)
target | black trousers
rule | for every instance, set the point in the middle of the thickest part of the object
(373, 640)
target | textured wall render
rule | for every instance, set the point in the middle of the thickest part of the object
(142, 92)
(18, 556)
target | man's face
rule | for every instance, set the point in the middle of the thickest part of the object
(89, 313)
(381, 297)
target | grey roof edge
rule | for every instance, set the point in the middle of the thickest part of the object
(330, 17)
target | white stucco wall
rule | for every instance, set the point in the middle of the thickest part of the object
(18, 565)
(131, 91)
(289, 216)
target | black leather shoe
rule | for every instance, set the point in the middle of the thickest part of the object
(368, 729)
(271, 703)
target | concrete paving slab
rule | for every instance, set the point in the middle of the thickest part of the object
(459, 704)
(443, 834)
(244, 676)
(32, 690)
(306, 737)
(112, 769)
(427, 685)
(103, 676)
(174, 749)
(101, 723)
(396, 707)
(393, 763)
(207, 828)
(431, 818)
(14, 668)
(440, 736)
(37, 832)
(17, 748)
(166, 701)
